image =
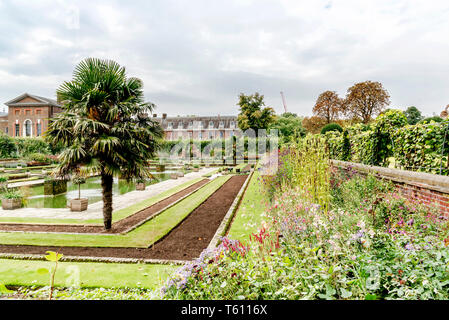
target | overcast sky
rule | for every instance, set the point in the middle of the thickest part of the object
(195, 57)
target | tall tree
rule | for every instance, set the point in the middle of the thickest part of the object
(252, 114)
(413, 115)
(104, 126)
(314, 124)
(289, 126)
(365, 100)
(328, 106)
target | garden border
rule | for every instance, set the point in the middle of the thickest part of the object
(227, 220)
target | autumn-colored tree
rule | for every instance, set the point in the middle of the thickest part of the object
(328, 106)
(365, 100)
(252, 114)
(314, 124)
(444, 113)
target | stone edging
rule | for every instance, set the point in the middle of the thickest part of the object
(420, 179)
(92, 259)
(221, 231)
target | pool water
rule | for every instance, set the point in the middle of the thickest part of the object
(91, 190)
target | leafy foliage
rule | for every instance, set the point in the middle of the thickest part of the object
(289, 126)
(328, 106)
(413, 115)
(366, 99)
(331, 127)
(252, 114)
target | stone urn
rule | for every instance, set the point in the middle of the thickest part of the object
(140, 186)
(196, 169)
(79, 205)
(174, 176)
(11, 204)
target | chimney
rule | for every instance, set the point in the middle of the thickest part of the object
(164, 116)
(154, 115)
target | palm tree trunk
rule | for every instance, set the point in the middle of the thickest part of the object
(106, 185)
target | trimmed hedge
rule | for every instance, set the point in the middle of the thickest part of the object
(420, 147)
(12, 147)
(331, 127)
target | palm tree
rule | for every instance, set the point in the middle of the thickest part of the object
(104, 126)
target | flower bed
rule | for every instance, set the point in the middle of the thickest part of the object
(369, 243)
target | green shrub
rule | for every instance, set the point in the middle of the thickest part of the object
(331, 127)
(12, 194)
(431, 119)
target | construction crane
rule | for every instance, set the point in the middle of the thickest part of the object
(283, 101)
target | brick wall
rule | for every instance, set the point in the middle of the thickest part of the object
(429, 189)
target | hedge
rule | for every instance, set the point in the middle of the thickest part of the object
(420, 147)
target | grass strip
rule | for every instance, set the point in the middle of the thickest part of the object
(251, 211)
(90, 274)
(141, 237)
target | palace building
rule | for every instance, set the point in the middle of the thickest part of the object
(198, 128)
(28, 115)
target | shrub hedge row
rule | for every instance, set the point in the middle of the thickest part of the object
(390, 141)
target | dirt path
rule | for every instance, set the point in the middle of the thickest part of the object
(184, 242)
(117, 227)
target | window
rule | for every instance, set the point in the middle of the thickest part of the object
(200, 135)
(38, 129)
(38, 112)
(232, 124)
(221, 134)
(27, 128)
(211, 124)
(170, 125)
(27, 112)
(17, 112)
(221, 124)
(17, 130)
(6, 130)
(211, 134)
(190, 124)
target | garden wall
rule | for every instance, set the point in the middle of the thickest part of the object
(429, 189)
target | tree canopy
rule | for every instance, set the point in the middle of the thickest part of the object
(413, 115)
(366, 99)
(253, 114)
(328, 106)
(289, 126)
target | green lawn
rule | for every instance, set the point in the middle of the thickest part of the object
(251, 211)
(141, 237)
(117, 215)
(90, 274)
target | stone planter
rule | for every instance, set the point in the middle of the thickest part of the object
(140, 186)
(54, 187)
(11, 204)
(174, 176)
(180, 174)
(79, 205)
(160, 167)
(196, 169)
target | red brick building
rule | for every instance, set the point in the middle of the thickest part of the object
(28, 115)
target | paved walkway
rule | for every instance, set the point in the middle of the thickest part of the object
(95, 210)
